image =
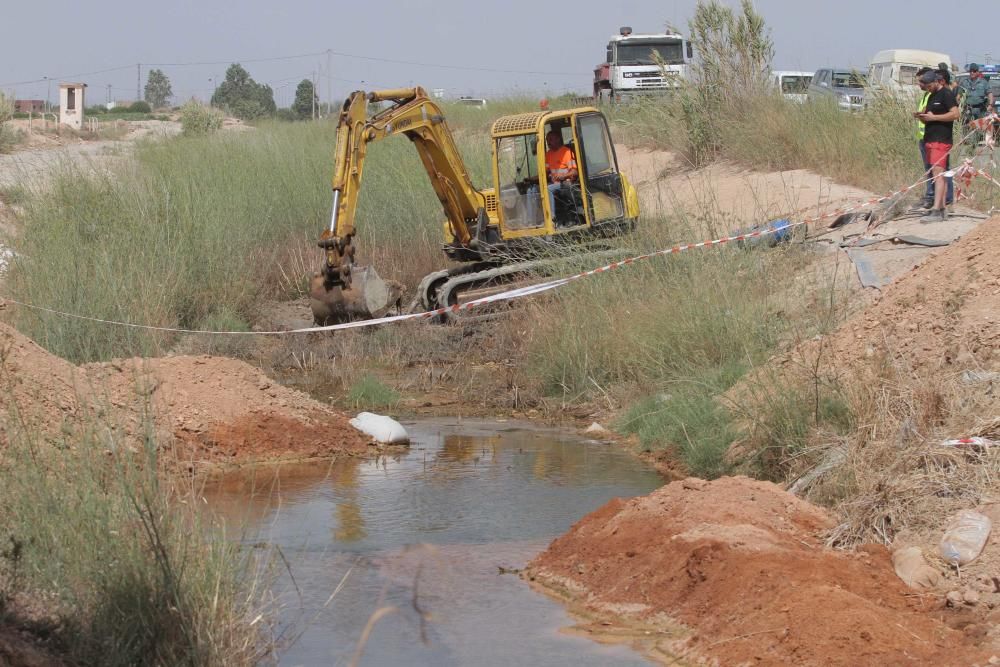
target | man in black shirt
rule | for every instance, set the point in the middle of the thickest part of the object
(939, 119)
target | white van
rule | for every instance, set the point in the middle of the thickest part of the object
(895, 70)
(793, 85)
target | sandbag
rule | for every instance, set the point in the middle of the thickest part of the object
(382, 429)
(913, 569)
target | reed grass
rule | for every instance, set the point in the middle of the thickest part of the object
(198, 229)
(131, 573)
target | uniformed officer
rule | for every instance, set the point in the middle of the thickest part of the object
(978, 97)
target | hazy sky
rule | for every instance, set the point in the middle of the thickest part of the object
(552, 45)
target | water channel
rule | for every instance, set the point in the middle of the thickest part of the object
(423, 536)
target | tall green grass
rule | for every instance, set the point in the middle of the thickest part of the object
(129, 575)
(669, 336)
(875, 150)
(198, 229)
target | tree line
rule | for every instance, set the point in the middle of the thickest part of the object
(238, 95)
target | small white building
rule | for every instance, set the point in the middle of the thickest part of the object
(71, 104)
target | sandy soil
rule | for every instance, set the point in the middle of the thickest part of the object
(741, 565)
(33, 160)
(944, 314)
(720, 198)
(731, 195)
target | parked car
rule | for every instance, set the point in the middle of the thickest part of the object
(472, 102)
(793, 85)
(846, 87)
(895, 70)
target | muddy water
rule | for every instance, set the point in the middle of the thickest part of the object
(423, 536)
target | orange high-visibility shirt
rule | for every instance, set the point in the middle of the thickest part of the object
(558, 162)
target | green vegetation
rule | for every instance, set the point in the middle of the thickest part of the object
(306, 100)
(368, 394)
(131, 575)
(243, 97)
(9, 137)
(671, 349)
(202, 225)
(874, 150)
(196, 118)
(125, 113)
(14, 194)
(157, 91)
(692, 421)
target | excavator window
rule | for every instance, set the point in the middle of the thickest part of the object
(598, 166)
(520, 195)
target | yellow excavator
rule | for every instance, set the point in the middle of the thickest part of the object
(494, 234)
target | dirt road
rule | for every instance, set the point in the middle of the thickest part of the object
(29, 166)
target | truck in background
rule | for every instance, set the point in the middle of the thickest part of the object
(793, 85)
(894, 71)
(632, 68)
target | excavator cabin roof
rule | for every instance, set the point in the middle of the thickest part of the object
(524, 123)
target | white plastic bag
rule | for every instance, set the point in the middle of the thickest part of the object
(385, 430)
(965, 536)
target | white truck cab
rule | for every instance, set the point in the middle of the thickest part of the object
(633, 64)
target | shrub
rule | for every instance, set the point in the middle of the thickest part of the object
(9, 137)
(198, 119)
(140, 107)
(368, 393)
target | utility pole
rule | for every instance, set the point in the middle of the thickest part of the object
(109, 96)
(138, 81)
(329, 83)
(313, 96)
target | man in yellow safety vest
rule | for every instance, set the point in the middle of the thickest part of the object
(925, 95)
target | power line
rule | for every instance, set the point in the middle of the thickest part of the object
(239, 60)
(66, 76)
(459, 67)
(341, 54)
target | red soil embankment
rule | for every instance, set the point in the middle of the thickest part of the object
(200, 408)
(740, 563)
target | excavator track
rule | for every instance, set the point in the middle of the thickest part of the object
(466, 283)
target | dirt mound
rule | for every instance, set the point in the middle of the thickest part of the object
(728, 194)
(945, 314)
(37, 389)
(213, 408)
(740, 564)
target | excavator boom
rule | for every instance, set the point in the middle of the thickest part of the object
(342, 290)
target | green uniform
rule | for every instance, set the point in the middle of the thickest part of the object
(976, 97)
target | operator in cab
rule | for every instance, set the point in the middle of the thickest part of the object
(560, 164)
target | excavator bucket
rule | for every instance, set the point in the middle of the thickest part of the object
(369, 296)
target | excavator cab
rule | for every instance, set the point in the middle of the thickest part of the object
(495, 233)
(529, 205)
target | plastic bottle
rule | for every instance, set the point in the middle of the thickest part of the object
(965, 536)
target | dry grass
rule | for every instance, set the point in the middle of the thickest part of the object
(885, 472)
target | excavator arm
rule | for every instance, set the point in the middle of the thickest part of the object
(416, 116)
